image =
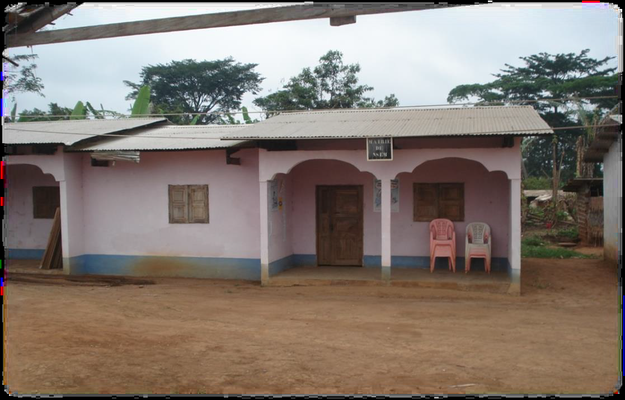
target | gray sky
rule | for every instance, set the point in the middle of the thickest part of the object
(418, 55)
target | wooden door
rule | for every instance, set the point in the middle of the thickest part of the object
(339, 225)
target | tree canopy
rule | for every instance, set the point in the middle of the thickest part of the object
(575, 78)
(24, 79)
(190, 86)
(331, 84)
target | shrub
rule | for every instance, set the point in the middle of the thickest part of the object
(534, 183)
(570, 233)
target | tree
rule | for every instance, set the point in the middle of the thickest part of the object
(331, 84)
(55, 113)
(556, 76)
(23, 80)
(190, 86)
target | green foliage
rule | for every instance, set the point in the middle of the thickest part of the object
(246, 116)
(536, 183)
(55, 113)
(25, 79)
(550, 252)
(93, 111)
(550, 76)
(13, 113)
(532, 241)
(562, 215)
(141, 107)
(570, 233)
(534, 247)
(190, 86)
(331, 84)
(79, 112)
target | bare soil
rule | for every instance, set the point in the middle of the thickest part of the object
(123, 335)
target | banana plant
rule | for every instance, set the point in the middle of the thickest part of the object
(141, 106)
(80, 111)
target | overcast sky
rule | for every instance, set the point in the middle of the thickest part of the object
(417, 55)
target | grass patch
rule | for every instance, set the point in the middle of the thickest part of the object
(534, 247)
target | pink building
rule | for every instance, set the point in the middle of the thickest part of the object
(336, 188)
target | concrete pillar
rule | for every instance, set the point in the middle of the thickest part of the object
(72, 226)
(514, 246)
(386, 229)
(264, 232)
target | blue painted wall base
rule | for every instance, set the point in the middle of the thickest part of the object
(25, 254)
(499, 264)
(188, 267)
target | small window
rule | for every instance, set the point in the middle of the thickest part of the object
(438, 200)
(188, 204)
(46, 199)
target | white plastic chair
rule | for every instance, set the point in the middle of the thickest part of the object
(477, 244)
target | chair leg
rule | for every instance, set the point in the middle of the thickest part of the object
(467, 265)
(432, 261)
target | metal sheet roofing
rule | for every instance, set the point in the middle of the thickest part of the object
(69, 132)
(398, 122)
(169, 137)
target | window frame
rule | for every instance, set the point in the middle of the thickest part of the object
(188, 203)
(48, 195)
(439, 202)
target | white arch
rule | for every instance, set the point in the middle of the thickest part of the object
(48, 164)
(507, 160)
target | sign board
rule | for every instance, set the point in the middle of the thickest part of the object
(379, 149)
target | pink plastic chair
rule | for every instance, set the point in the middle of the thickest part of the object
(477, 245)
(442, 242)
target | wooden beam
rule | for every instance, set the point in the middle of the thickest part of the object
(215, 20)
(231, 160)
(338, 21)
(41, 18)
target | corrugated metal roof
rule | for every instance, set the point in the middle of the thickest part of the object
(398, 122)
(169, 137)
(69, 132)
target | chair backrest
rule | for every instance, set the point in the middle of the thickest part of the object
(442, 229)
(479, 232)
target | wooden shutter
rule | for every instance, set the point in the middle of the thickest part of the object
(198, 204)
(178, 204)
(46, 199)
(451, 201)
(425, 201)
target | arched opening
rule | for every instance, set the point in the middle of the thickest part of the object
(31, 201)
(321, 213)
(458, 189)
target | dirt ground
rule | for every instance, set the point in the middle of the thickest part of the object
(203, 336)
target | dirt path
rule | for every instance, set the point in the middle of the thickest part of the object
(202, 336)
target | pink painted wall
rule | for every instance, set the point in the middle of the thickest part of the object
(305, 177)
(24, 231)
(126, 206)
(280, 229)
(486, 199)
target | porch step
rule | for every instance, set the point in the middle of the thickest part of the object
(494, 287)
(285, 282)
